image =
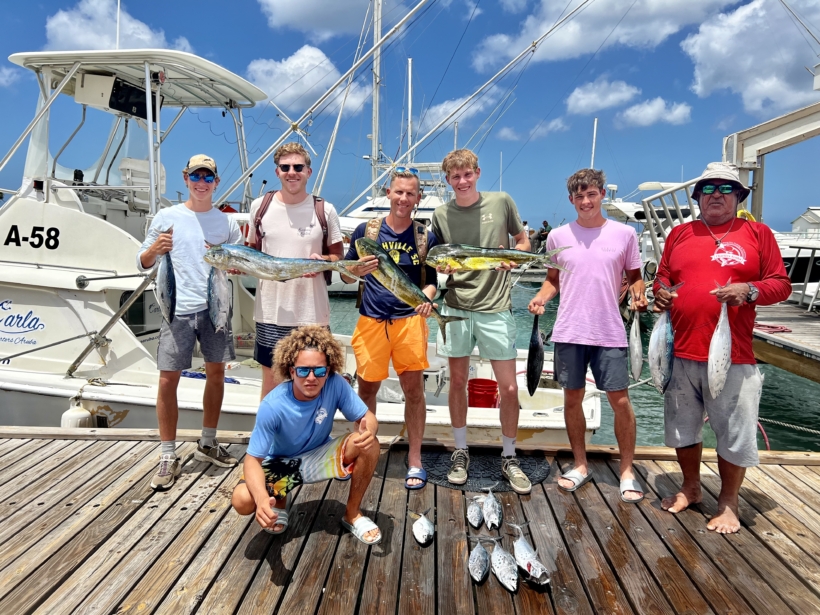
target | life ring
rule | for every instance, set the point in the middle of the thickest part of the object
(746, 215)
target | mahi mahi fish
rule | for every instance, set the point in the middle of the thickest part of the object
(390, 275)
(474, 514)
(720, 351)
(662, 347)
(504, 566)
(535, 358)
(266, 267)
(423, 528)
(479, 561)
(492, 510)
(165, 286)
(472, 258)
(219, 299)
(527, 558)
(635, 347)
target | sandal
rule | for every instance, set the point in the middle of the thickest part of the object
(630, 484)
(577, 479)
(281, 519)
(418, 473)
(362, 526)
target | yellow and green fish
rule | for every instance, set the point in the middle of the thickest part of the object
(472, 258)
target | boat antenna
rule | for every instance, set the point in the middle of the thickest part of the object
(594, 138)
(118, 24)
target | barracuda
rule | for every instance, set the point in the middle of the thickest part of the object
(471, 258)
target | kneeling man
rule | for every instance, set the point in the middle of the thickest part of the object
(291, 445)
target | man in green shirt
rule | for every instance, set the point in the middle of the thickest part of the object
(488, 220)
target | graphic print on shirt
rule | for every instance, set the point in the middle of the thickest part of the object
(321, 416)
(729, 254)
(395, 249)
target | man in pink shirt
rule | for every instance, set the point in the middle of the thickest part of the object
(589, 331)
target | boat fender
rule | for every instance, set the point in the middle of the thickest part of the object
(76, 416)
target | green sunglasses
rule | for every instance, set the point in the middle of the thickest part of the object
(723, 188)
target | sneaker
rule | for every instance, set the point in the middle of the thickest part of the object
(458, 468)
(511, 469)
(216, 455)
(169, 468)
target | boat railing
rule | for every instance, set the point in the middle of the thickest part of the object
(665, 209)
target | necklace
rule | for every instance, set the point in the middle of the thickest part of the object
(718, 241)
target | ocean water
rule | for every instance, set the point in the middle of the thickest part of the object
(786, 398)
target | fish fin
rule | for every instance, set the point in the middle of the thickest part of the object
(426, 511)
(413, 514)
(442, 322)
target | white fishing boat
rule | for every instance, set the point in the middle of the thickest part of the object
(79, 323)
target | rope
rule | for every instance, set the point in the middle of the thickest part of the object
(790, 426)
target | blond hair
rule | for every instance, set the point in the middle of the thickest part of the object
(309, 337)
(586, 178)
(404, 175)
(291, 148)
(459, 159)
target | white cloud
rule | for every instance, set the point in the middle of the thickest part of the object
(438, 112)
(648, 24)
(653, 111)
(92, 24)
(542, 130)
(296, 82)
(472, 9)
(508, 134)
(8, 76)
(513, 6)
(729, 54)
(600, 94)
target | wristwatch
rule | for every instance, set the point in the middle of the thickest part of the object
(753, 293)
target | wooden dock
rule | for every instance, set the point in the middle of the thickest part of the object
(798, 351)
(83, 532)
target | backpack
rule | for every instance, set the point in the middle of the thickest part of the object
(371, 231)
(319, 208)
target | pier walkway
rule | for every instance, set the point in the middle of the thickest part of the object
(798, 351)
(83, 532)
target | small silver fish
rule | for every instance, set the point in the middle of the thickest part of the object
(492, 510)
(635, 347)
(527, 558)
(479, 562)
(662, 347)
(219, 299)
(474, 514)
(423, 528)
(504, 566)
(165, 285)
(720, 351)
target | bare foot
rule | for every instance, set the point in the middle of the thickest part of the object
(682, 500)
(725, 521)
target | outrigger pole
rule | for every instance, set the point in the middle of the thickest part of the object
(296, 125)
(531, 48)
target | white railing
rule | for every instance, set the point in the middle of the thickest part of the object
(666, 209)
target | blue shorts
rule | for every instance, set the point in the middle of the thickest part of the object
(608, 366)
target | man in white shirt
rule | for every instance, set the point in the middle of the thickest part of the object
(182, 231)
(286, 223)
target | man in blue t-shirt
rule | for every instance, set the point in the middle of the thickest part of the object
(388, 327)
(291, 444)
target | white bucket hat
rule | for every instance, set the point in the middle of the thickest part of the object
(722, 170)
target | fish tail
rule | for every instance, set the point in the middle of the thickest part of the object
(342, 268)
(442, 322)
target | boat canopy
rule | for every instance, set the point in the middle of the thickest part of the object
(190, 81)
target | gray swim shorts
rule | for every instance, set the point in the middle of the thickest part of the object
(733, 415)
(608, 366)
(176, 342)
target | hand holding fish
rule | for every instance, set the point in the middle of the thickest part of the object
(369, 264)
(638, 293)
(537, 305)
(506, 266)
(663, 300)
(315, 257)
(732, 294)
(425, 310)
(163, 244)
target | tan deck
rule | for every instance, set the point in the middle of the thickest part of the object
(82, 531)
(797, 352)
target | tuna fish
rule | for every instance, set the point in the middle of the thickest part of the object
(474, 514)
(527, 558)
(423, 528)
(492, 510)
(479, 562)
(720, 351)
(662, 347)
(165, 286)
(471, 258)
(635, 347)
(535, 358)
(219, 299)
(504, 566)
(390, 275)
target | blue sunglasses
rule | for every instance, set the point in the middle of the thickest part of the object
(407, 169)
(208, 177)
(319, 372)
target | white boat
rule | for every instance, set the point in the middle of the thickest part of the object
(79, 323)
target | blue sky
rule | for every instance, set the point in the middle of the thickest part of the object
(668, 79)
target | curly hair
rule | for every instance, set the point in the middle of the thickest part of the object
(310, 337)
(459, 159)
(291, 147)
(583, 179)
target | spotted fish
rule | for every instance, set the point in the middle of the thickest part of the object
(219, 299)
(165, 286)
(662, 347)
(527, 558)
(504, 566)
(423, 528)
(492, 510)
(479, 562)
(720, 351)
(474, 514)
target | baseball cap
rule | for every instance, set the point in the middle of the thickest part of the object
(200, 161)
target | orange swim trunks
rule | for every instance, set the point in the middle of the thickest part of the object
(375, 342)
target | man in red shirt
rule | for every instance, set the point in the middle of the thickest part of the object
(718, 247)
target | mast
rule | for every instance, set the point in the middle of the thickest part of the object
(410, 108)
(377, 62)
(594, 137)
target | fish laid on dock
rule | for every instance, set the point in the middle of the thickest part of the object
(266, 267)
(720, 351)
(472, 258)
(504, 567)
(527, 558)
(474, 514)
(219, 299)
(535, 358)
(635, 347)
(662, 347)
(390, 275)
(165, 286)
(423, 528)
(492, 510)
(479, 561)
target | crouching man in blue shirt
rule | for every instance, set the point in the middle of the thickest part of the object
(291, 444)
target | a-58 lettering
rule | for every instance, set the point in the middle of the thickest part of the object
(40, 236)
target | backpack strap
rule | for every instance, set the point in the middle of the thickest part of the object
(319, 208)
(420, 236)
(371, 231)
(257, 220)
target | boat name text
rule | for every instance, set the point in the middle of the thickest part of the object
(17, 323)
(35, 239)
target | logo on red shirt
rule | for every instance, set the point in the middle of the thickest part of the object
(729, 254)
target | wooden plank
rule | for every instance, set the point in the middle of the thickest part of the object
(152, 588)
(797, 487)
(808, 475)
(455, 592)
(11, 450)
(88, 567)
(752, 546)
(341, 592)
(760, 597)
(638, 584)
(36, 475)
(116, 433)
(26, 551)
(273, 575)
(568, 593)
(380, 591)
(10, 444)
(673, 580)
(13, 465)
(787, 357)
(605, 594)
(417, 591)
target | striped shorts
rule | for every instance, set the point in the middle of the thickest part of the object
(282, 474)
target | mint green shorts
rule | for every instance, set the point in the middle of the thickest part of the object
(494, 334)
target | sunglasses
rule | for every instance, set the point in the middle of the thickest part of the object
(723, 188)
(407, 170)
(208, 177)
(303, 372)
(296, 167)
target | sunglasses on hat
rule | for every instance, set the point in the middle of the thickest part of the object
(407, 169)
